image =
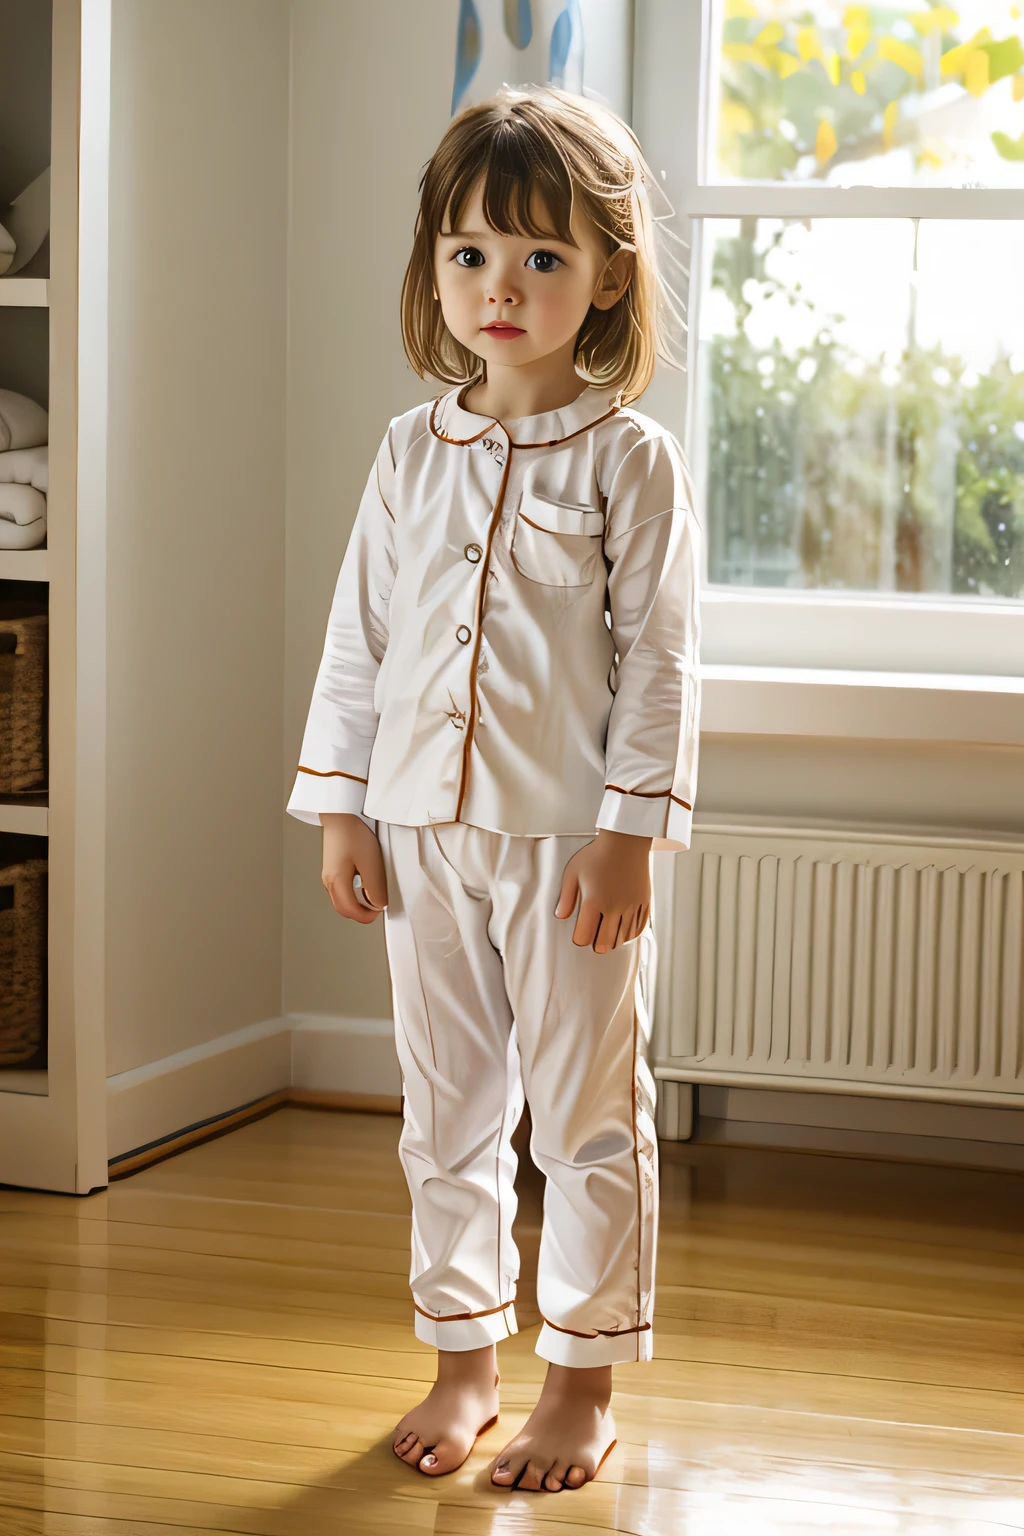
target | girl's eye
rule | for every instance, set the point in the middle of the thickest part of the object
(469, 256)
(542, 261)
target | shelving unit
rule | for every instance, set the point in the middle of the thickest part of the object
(25, 292)
(51, 1120)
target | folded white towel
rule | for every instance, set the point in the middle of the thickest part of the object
(26, 466)
(23, 423)
(22, 517)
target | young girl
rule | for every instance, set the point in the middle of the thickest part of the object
(504, 719)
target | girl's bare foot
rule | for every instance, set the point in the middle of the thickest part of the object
(567, 1435)
(438, 1434)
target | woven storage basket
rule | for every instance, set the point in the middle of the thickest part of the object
(22, 961)
(22, 698)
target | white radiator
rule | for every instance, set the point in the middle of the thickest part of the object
(842, 963)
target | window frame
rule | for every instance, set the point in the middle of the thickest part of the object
(783, 627)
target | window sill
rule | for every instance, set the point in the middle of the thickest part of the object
(881, 706)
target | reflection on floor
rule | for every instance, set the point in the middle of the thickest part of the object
(223, 1342)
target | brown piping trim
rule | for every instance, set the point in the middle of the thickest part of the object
(464, 442)
(554, 441)
(482, 567)
(497, 1188)
(460, 442)
(649, 794)
(521, 517)
(639, 1185)
(333, 773)
(462, 1317)
(598, 1333)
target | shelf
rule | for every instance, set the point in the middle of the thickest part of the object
(25, 292)
(23, 565)
(13, 1080)
(26, 814)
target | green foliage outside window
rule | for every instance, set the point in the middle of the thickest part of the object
(800, 97)
(829, 471)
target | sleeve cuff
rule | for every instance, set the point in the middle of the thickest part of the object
(335, 794)
(663, 818)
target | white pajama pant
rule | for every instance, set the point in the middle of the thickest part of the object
(491, 997)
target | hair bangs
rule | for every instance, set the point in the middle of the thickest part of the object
(527, 189)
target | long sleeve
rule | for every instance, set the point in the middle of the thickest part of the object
(652, 543)
(342, 721)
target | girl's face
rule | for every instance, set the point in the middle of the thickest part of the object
(515, 299)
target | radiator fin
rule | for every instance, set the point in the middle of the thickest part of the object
(818, 965)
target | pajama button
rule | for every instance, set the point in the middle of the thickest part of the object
(463, 635)
(473, 553)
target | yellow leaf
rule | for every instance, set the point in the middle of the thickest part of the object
(743, 53)
(768, 36)
(740, 10)
(929, 157)
(826, 143)
(783, 63)
(832, 68)
(976, 73)
(858, 82)
(736, 118)
(856, 16)
(857, 39)
(889, 117)
(1018, 87)
(954, 60)
(808, 43)
(942, 19)
(903, 54)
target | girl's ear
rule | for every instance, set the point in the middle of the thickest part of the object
(615, 279)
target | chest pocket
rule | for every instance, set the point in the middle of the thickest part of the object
(556, 545)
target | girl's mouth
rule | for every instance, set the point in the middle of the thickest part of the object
(501, 328)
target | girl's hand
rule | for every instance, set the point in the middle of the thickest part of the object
(351, 849)
(611, 879)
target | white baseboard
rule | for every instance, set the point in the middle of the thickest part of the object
(337, 1055)
(309, 1051)
(165, 1096)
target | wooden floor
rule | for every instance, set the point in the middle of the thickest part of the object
(223, 1343)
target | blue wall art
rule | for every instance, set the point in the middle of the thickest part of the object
(583, 46)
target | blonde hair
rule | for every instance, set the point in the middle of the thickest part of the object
(543, 151)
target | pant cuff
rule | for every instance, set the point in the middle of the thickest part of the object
(467, 1333)
(560, 1348)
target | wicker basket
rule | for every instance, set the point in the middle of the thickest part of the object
(23, 635)
(22, 961)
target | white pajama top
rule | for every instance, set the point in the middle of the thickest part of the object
(513, 638)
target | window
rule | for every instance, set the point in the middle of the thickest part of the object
(856, 421)
(911, 93)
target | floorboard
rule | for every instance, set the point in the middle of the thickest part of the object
(222, 1343)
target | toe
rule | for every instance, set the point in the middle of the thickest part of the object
(556, 1477)
(575, 1477)
(413, 1452)
(532, 1480)
(507, 1469)
(442, 1457)
(402, 1441)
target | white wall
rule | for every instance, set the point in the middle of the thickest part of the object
(370, 98)
(198, 199)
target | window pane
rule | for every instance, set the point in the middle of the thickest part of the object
(861, 404)
(907, 94)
